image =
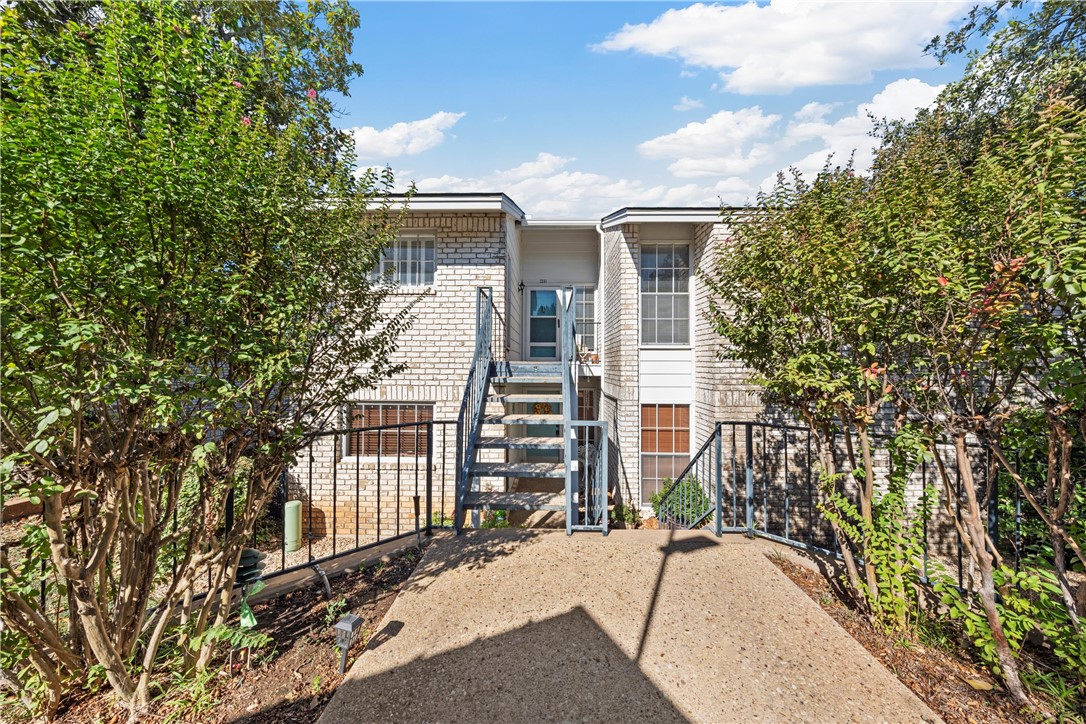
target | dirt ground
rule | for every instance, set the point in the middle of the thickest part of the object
(939, 677)
(292, 678)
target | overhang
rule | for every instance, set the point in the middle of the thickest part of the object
(664, 214)
(465, 202)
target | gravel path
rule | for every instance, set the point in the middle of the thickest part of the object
(510, 625)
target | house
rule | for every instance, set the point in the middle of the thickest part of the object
(646, 363)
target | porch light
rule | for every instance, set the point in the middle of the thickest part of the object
(346, 628)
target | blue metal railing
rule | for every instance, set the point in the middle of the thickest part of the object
(469, 420)
(567, 323)
(585, 440)
(762, 479)
(588, 508)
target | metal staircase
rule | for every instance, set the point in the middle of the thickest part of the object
(504, 397)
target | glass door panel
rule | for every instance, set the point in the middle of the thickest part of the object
(542, 324)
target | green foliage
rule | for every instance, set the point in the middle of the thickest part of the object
(628, 515)
(945, 288)
(495, 519)
(438, 519)
(186, 271)
(892, 542)
(184, 695)
(684, 501)
(1030, 602)
(234, 637)
(334, 611)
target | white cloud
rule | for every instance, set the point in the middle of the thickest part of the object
(734, 144)
(404, 138)
(787, 44)
(547, 187)
(687, 104)
(814, 111)
(717, 146)
(852, 134)
(684, 73)
(720, 159)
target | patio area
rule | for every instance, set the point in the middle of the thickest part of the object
(523, 625)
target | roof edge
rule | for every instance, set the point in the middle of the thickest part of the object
(480, 202)
(666, 214)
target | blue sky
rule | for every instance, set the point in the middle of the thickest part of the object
(576, 109)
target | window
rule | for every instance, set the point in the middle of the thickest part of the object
(665, 445)
(585, 301)
(407, 441)
(408, 261)
(586, 405)
(665, 294)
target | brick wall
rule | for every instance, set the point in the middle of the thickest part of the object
(722, 390)
(471, 250)
(620, 403)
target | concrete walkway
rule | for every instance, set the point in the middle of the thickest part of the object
(526, 626)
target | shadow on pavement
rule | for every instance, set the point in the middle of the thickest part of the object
(564, 668)
(473, 549)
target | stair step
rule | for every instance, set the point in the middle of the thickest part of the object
(522, 418)
(526, 398)
(519, 470)
(526, 380)
(515, 501)
(520, 443)
(513, 369)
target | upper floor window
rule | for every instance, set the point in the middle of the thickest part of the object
(409, 261)
(665, 294)
(585, 302)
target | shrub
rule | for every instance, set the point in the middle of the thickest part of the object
(687, 503)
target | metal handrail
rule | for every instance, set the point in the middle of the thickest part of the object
(594, 475)
(678, 506)
(567, 322)
(470, 418)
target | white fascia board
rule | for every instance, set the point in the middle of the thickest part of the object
(464, 203)
(704, 215)
(560, 223)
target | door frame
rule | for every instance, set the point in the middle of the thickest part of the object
(526, 341)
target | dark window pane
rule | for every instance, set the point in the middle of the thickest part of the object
(544, 330)
(682, 280)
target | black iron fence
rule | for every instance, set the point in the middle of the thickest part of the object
(762, 479)
(355, 488)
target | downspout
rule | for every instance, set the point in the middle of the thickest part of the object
(601, 303)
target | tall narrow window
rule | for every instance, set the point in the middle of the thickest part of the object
(665, 294)
(585, 299)
(586, 405)
(409, 440)
(665, 445)
(409, 261)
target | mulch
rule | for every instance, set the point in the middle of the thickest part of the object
(292, 678)
(941, 678)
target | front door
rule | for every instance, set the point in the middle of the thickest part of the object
(543, 340)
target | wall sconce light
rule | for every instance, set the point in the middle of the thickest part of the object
(346, 628)
(520, 287)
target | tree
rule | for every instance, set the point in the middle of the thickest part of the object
(952, 279)
(187, 286)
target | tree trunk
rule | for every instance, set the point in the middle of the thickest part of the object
(824, 442)
(973, 524)
(867, 495)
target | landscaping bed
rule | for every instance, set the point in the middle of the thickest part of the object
(935, 670)
(294, 676)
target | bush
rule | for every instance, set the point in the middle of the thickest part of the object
(687, 503)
